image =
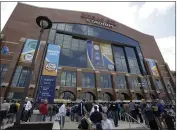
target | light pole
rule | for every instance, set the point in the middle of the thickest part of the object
(44, 23)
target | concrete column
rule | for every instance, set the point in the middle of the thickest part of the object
(129, 86)
(11, 69)
(173, 81)
(58, 83)
(116, 94)
(79, 84)
(163, 82)
(98, 86)
(140, 79)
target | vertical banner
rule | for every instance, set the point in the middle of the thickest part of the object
(107, 56)
(49, 74)
(153, 67)
(28, 50)
(99, 56)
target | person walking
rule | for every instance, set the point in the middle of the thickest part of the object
(81, 110)
(148, 112)
(113, 109)
(106, 123)
(12, 112)
(133, 111)
(169, 120)
(96, 118)
(27, 108)
(62, 113)
(5, 106)
(43, 108)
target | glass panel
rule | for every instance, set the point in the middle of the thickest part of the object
(22, 79)
(68, 79)
(90, 31)
(68, 27)
(74, 79)
(88, 80)
(106, 81)
(121, 82)
(63, 76)
(54, 25)
(51, 36)
(59, 39)
(16, 76)
(132, 60)
(4, 69)
(61, 26)
(119, 58)
(75, 45)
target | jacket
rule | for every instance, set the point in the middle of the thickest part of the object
(43, 109)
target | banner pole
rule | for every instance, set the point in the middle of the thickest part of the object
(27, 81)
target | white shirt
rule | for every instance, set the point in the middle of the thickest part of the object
(28, 106)
(62, 110)
(106, 124)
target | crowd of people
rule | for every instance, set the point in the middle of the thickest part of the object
(94, 115)
(155, 115)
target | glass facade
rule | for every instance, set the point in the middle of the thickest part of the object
(68, 78)
(135, 83)
(121, 82)
(88, 80)
(119, 58)
(15, 95)
(159, 86)
(106, 81)
(74, 50)
(3, 71)
(20, 76)
(146, 83)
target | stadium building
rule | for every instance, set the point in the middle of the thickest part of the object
(99, 59)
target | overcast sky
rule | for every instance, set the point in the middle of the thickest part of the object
(153, 18)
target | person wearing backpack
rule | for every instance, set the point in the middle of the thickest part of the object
(157, 114)
(150, 118)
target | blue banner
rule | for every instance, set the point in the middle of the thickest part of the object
(48, 80)
(49, 75)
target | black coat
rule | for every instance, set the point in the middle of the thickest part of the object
(79, 108)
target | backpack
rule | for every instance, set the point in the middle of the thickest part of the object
(155, 108)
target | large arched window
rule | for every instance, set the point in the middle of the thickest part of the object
(88, 96)
(67, 95)
(106, 97)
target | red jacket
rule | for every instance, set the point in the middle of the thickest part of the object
(43, 109)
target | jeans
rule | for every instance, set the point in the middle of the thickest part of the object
(43, 117)
(62, 120)
(25, 115)
(115, 117)
(72, 116)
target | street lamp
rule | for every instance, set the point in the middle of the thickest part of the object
(44, 23)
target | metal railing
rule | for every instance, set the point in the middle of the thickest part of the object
(130, 118)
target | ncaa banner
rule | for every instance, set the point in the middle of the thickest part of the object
(51, 60)
(106, 51)
(153, 67)
(28, 50)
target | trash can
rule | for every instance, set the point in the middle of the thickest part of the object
(36, 116)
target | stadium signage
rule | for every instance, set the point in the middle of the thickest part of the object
(99, 21)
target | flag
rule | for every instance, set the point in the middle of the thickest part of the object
(5, 50)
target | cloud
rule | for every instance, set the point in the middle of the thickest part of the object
(154, 7)
(6, 10)
(167, 48)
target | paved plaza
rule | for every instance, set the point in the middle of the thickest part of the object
(73, 125)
